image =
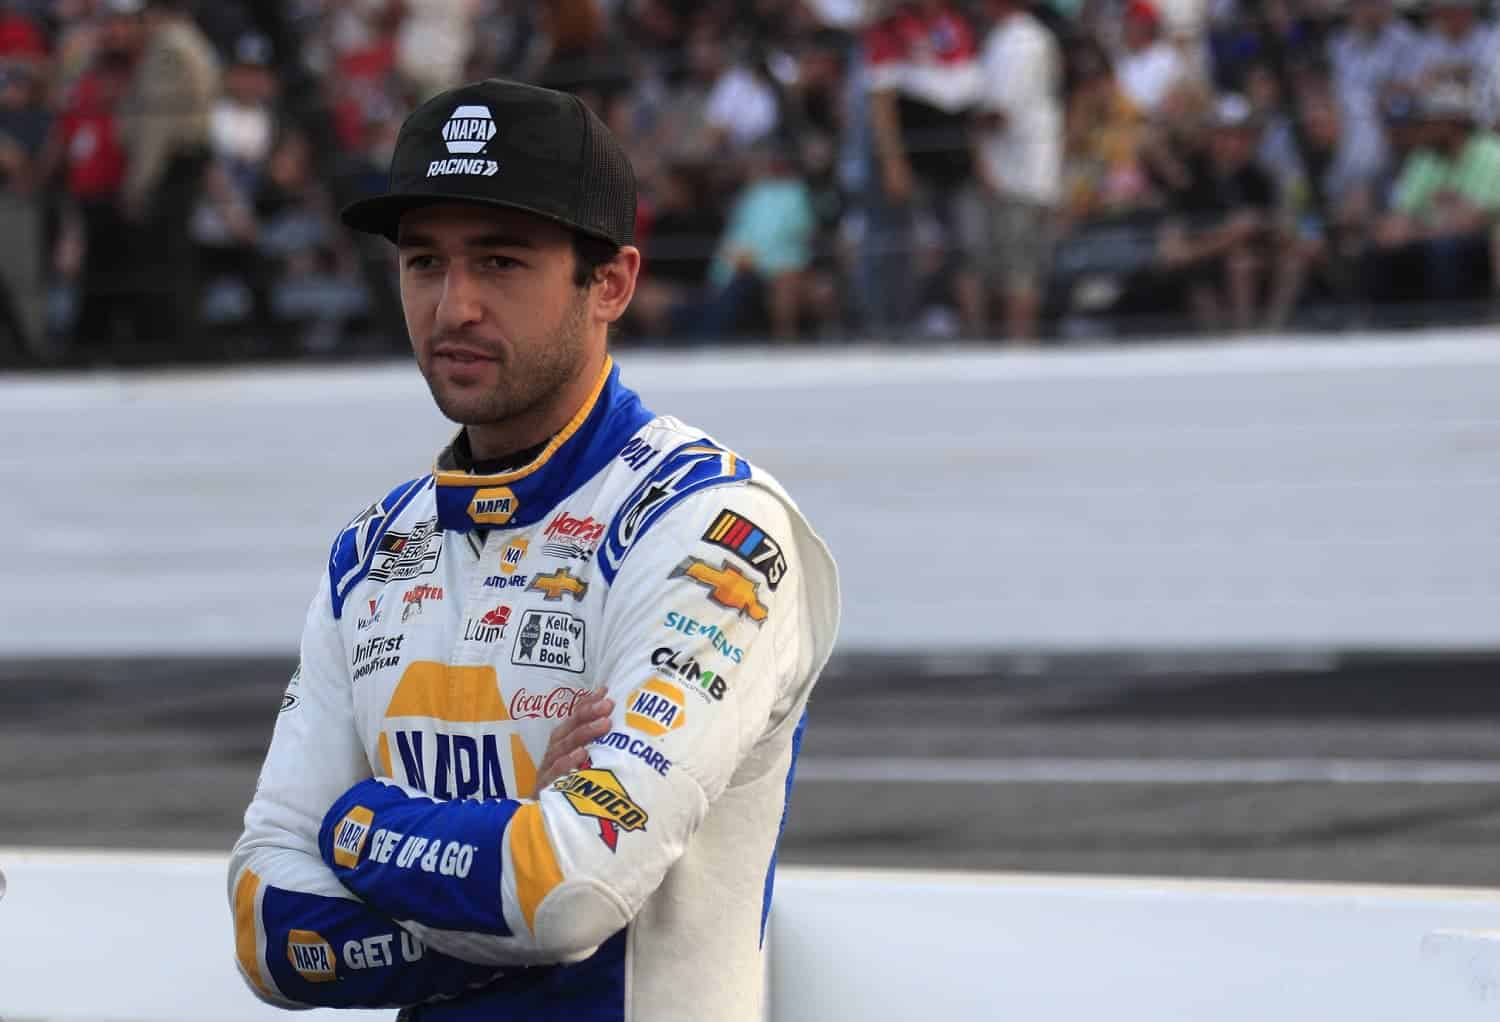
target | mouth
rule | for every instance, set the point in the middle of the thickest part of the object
(460, 354)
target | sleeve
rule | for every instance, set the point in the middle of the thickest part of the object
(300, 938)
(712, 634)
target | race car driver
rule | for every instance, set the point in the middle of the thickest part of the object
(406, 844)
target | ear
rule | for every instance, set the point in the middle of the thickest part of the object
(614, 284)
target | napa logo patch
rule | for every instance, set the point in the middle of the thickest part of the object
(493, 505)
(511, 558)
(656, 708)
(599, 794)
(311, 956)
(349, 836)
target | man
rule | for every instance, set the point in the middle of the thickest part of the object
(1373, 56)
(420, 835)
(1457, 47)
(923, 72)
(1149, 64)
(165, 128)
(1434, 244)
(1216, 242)
(1019, 172)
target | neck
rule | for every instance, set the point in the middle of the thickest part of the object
(498, 440)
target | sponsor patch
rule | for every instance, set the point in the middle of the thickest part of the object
(705, 683)
(468, 129)
(553, 705)
(738, 534)
(404, 555)
(510, 559)
(413, 599)
(427, 855)
(637, 747)
(489, 628)
(572, 538)
(375, 607)
(349, 836)
(686, 470)
(692, 627)
(726, 586)
(376, 654)
(290, 700)
(636, 453)
(656, 707)
(549, 638)
(507, 581)
(599, 794)
(311, 956)
(493, 505)
(560, 582)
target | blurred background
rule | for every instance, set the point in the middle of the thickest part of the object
(1134, 357)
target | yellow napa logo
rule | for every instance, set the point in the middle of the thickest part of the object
(349, 836)
(656, 708)
(512, 556)
(493, 505)
(311, 956)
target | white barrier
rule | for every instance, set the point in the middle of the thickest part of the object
(147, 938)
(1273, 495)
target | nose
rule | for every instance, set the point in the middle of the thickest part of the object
(459, 306)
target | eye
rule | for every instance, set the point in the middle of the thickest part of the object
(420, 262)
(500, 262)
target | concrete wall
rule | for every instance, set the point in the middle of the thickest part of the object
(147, 938)
(1269, 495)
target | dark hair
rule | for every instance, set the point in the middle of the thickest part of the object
(590, 253)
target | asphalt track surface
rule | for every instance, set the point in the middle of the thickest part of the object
(1305, 767)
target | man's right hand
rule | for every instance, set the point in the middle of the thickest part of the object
(569, 745)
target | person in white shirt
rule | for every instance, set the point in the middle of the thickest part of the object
(1149, 65)
(1018, 171)
(1376, 53)
(1458, 47)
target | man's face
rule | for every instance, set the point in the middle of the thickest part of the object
(497, 325)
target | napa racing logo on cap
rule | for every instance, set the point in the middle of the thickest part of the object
(468, 131)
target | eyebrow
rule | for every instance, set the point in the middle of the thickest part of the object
(414, 240)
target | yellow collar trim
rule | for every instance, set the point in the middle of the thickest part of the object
(465, 479)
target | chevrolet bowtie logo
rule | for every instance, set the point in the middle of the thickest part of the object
(726, 587)
(554, 585)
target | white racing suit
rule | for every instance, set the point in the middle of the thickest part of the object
(397, 852)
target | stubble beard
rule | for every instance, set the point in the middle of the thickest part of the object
(534, 376)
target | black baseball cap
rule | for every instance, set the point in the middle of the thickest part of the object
(503, 143)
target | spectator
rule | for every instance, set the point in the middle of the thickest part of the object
(1435, 243)
(758, 269)
(717, 107)
(241, 133)
(23, 131)
(677, 252)
(168, 115)
(577, 52)
(433, 44)
(1018, 172)
(1149, 65)
(1223, 218)
(924, 77)
(86, 150)
(1457, 47)
(1103, 170)
(1375, 54)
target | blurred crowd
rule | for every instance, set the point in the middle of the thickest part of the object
(170, 170)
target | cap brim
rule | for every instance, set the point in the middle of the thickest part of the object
(381, 214)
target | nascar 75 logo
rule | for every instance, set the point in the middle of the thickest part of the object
(736, 533)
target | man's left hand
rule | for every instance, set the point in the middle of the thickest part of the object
(568, 746)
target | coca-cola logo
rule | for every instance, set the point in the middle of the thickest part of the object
(552, 705)
(585, 530)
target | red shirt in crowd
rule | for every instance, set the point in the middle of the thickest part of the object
(93, 154)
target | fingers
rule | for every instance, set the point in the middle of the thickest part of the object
(567, 747)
